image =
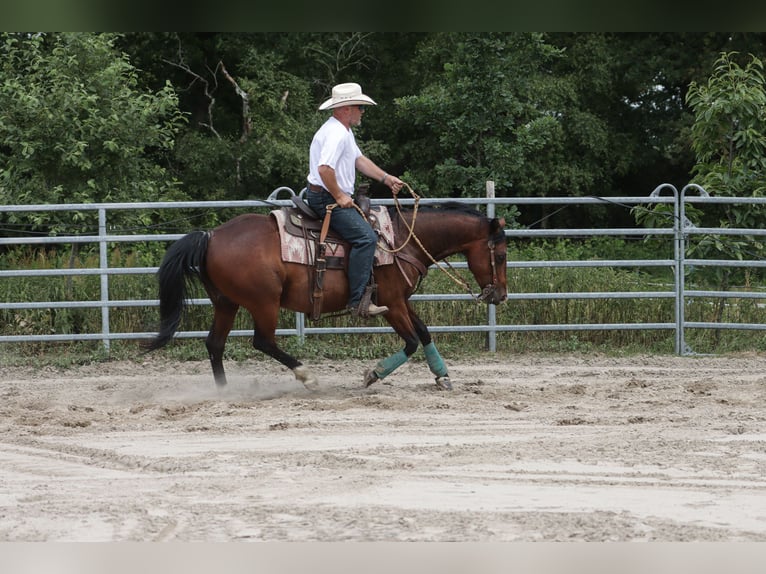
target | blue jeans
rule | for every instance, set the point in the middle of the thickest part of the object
(352, 227)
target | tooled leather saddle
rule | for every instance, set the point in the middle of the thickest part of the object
(308, 240)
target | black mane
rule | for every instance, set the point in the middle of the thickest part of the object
(452, 206)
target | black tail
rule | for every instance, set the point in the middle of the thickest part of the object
(184, 260)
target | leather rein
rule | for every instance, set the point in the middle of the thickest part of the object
(422, 270)
(452, 273)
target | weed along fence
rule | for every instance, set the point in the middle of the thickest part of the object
(673, 238)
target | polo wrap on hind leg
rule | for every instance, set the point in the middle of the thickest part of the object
(388, 365)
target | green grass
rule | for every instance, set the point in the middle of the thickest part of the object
(373, 346)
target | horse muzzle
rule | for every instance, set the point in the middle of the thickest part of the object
(492, 295)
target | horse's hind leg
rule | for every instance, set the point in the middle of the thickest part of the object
(264, 340)
(223, 320)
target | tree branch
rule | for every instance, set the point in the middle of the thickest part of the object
(247, 124)
(181, 65)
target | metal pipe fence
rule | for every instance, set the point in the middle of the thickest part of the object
(678, 232)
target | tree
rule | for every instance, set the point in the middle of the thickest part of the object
(76, 127)
(729, 142)
(480, 113)
(252, 102)
(729, 132)
(728, 137)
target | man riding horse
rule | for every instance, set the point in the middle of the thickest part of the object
(334, 158)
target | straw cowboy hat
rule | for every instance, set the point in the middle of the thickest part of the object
(347, 95)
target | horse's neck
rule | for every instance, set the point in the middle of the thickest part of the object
(439, 234)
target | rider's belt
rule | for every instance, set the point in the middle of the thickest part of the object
(317, 188)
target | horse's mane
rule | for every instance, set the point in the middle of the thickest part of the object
(447, 206)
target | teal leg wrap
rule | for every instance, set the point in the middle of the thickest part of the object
(388, 365)
(435, 361)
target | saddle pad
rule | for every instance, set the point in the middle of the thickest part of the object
(296, 249)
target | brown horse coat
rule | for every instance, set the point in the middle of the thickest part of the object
(240, 265)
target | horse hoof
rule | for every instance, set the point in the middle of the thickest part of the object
(443, 383)
(370, 377)
(306, 377)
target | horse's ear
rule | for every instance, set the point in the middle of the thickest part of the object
(498, 227)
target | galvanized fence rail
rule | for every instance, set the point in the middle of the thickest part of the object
(678, 231)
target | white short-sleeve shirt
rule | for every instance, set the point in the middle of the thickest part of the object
(334, 146)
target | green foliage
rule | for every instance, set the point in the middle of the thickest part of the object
(540, 114)
(75, 126)
(729, 141)
(484, 96)
(265, 149)
(728, 137)
(729, 130)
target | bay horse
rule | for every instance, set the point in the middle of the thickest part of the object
(239, 264)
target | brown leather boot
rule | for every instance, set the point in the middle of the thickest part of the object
(372, 310)
(366, 308)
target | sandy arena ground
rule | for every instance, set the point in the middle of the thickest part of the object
(525, 448)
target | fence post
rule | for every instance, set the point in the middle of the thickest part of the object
(684, 224)
(103, 255)
(491, 309)
(300, 327)
(678, 264)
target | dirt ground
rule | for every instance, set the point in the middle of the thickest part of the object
(525, 448)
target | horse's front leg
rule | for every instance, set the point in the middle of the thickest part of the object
(388, 365)
(410, 328)
(398, 317)
(434, 359)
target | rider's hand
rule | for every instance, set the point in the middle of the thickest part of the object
(345, 201)
(394, 183)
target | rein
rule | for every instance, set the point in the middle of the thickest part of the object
(411, 228)
(451, 273)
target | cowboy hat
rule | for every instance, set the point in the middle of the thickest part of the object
(347, 95)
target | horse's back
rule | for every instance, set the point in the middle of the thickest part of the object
(247, 231)
(243, 248)
(247, 223)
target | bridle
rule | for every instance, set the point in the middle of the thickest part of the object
(491, 289)
(488, 290)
